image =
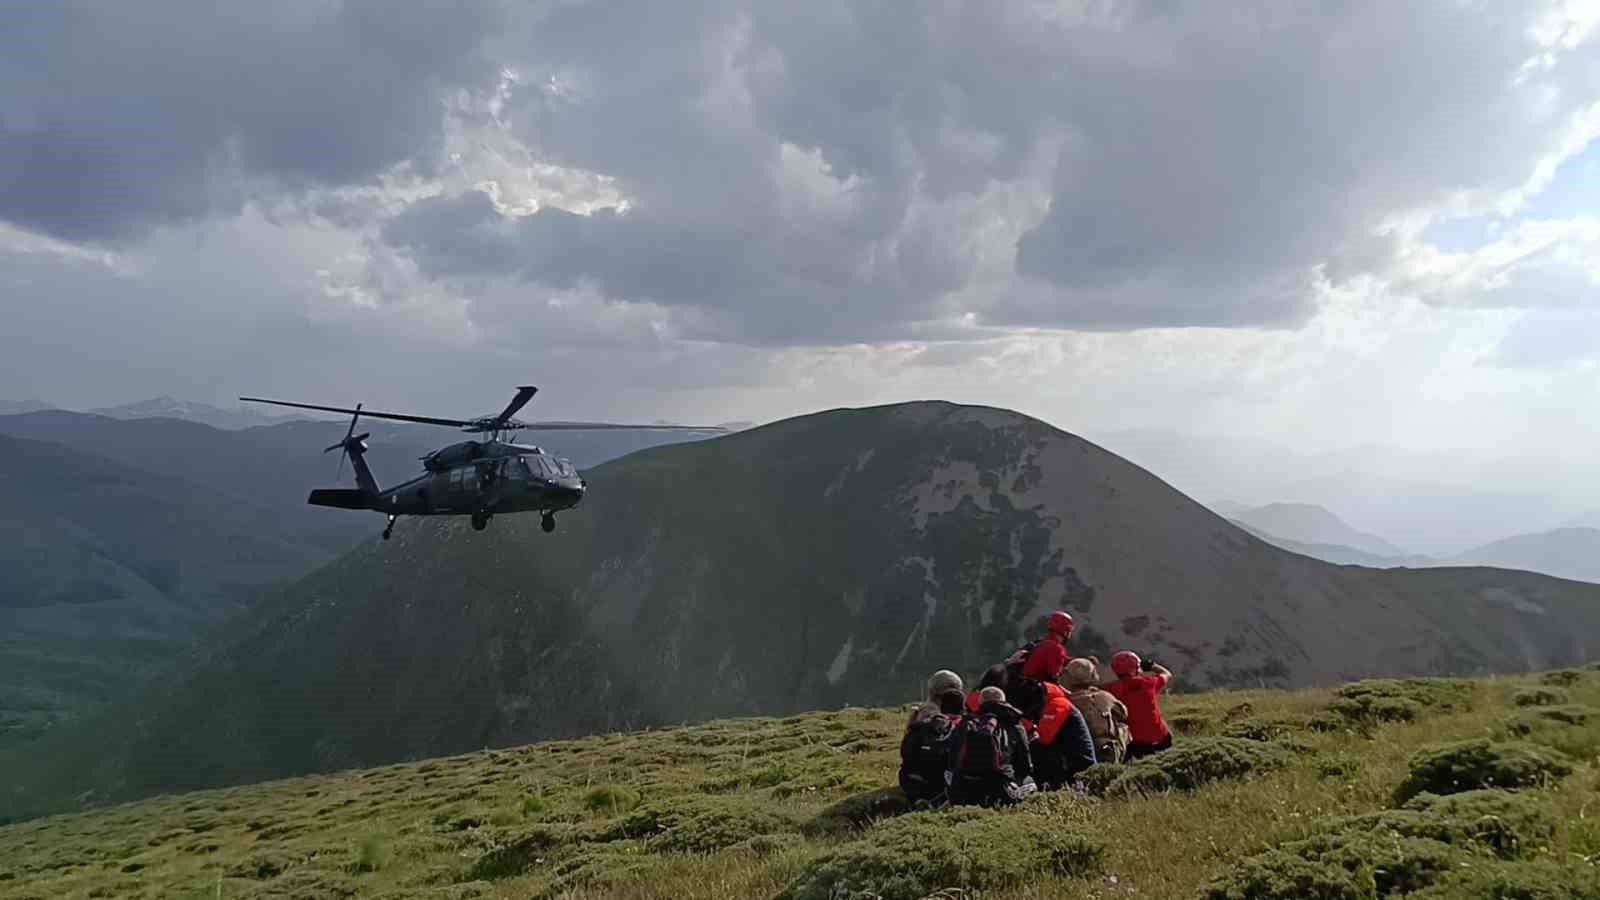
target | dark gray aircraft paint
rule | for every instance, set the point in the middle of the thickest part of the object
(474, 478)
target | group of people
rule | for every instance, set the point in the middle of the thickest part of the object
(1032, 723)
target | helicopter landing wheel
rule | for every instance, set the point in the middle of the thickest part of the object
(388, 530)
(548, 522)
(480, 521)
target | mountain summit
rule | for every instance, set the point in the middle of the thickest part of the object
(829, 559)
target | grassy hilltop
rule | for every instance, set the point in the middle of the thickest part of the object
(1270, 794)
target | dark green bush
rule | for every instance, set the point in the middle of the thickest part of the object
(1499, 821)
(1540, 696)
(611, 799)
(1195, 762)
(520, 852)
(1561, 678)
(697, 824)
(1376, 709)
(965, 849)
(859, 811)
(1191, 724)
(1529, 721)
(1522, 881)
(1342, 866)
(1469, 765)
(1097, 778)
(1434, 693)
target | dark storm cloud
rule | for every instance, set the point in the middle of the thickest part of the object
(827, 172)
(118, 116)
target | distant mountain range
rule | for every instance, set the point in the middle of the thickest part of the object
(1572, 553)
(191, 411)
(830, 559)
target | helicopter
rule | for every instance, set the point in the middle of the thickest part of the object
(479, 478)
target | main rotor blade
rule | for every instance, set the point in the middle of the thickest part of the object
(614, 426)
(398, 417)
(524, 394)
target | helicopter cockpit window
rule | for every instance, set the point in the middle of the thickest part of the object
(564, 468)
(544, 467)
(520, 472)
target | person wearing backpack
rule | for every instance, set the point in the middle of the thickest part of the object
(989, 761)
(1106, 716)
(1046, 658)
(925, 748)
(1062, 745)
(1139, 685)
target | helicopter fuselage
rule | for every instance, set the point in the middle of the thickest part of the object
(476, 478)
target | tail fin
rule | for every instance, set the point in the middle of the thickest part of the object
(358, 461)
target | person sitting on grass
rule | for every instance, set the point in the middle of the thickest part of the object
(1139, 685)
(1061, 745)
(1106, 715)
(925, 749)
(989, 760)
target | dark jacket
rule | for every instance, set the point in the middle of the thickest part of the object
(925, 753)
(1017, 767)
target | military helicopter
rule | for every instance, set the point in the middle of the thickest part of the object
(480, 478)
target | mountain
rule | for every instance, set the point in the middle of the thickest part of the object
(107, 572)
(835, 558)
(1589, 519)
(1307, 523)
(190, 411)
(14, 407)
(1565, 553)
(1337, 554)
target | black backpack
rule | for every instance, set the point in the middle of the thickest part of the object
(925, 750)
(982, 747)
(1015, 662)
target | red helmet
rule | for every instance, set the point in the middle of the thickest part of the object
(1125, 663)
(1060, 623)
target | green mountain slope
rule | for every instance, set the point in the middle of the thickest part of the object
(1270, 795)
(828, 559)
(107, 571)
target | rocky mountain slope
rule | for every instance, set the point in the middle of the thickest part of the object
(822, 560)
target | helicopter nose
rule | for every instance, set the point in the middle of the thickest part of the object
(571, 490)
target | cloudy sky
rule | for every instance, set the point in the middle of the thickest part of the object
(1324, 223)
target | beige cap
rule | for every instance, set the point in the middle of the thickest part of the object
(992, 694)
(1080, 673)
(944, 681)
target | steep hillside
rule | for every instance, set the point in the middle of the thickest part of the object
(1565, 553)
(107, 571)
(1268, 795)
(1307, 523)
(827, 559)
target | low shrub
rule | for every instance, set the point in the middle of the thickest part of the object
(1341, 866)
(698, 825)
(1540, 696)
(1098, 777)
(1193, 763)
(611, 799)
(858, 811)
(1523, 881)
(1376, 709)
(520, 852)
(963, 849)
(1268, 728)
(1469, 765)
(1499, 821)
(1525, 723)
(1434, 693)
(1190, 724)
(1561, 678)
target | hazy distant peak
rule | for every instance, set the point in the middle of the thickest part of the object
(17, 407)
(165, 407)
(1309, 523)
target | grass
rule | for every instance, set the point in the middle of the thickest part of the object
(1296, 795)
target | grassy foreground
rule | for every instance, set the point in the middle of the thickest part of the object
(1323, 794)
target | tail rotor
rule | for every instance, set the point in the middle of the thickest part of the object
(352, 441)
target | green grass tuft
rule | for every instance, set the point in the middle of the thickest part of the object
(1541, 696)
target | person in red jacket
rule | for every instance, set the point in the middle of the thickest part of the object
(1062, 745)
(1139, 685)
(1046, 660)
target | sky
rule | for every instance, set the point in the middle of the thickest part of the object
(1327, 225)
